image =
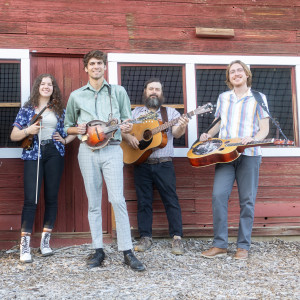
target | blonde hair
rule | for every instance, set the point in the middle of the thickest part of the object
(246, 69)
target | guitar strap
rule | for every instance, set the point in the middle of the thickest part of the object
(260, 101)
(109, 93)
(164, 116)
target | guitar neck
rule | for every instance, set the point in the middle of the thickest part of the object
(171, 123)
(39, 114)
(117, 126)
(252, 144)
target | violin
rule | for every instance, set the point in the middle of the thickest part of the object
(27, 142)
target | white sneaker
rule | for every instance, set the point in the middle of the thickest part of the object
(25, 256)
(45, 246)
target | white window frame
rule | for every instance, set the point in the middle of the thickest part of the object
(190, 62)
(23, 56)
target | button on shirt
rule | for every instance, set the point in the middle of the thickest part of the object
(86, 104)
(172, 113)
(240, 117)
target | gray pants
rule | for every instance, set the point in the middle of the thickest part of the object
(108, 162)
(245, 170)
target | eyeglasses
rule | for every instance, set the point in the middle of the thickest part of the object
(237, 71)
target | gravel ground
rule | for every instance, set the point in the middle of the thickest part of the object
(271, 272)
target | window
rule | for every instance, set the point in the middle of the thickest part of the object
(203, 79)
(210, 83)
(133, 78)
(14, 91)
(274, 82)
(10, 99)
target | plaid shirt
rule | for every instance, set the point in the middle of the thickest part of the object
(23, 119)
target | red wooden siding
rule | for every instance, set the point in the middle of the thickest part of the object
(59, 33)
(277, 209)
(268, 27)
(72, 208)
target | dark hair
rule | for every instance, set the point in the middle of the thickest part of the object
(246, 69)
(153, 80)
(94, 54)
(33, 100)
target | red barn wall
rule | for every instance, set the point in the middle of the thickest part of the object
(59, 33)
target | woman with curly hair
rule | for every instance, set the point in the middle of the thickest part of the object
(48, 142)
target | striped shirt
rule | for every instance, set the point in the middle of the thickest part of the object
(240, 117)
(168, 150)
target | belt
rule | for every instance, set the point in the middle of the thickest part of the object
(152, 161)
(46, 142)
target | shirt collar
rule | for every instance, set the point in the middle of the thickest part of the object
(89, 87)
(249, 93)
(146, 109)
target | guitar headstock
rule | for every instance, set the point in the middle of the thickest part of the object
(207, 108)
(284, 142)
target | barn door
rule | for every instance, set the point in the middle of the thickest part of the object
(72, 202)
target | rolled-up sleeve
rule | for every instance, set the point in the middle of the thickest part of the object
(71, 114)
(124, 104)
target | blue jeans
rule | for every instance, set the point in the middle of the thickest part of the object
(245, 170)
(50, 169)
(163, 176)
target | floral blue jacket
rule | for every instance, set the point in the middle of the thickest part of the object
(23, 118)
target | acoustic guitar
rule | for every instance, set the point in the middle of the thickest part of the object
(150, 135)
(217, 150)
(99, 133)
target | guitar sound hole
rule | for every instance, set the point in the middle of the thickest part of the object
(147, 135)
(207, 147)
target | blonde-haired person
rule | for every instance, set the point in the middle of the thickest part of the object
(51, 160)
(240, 117)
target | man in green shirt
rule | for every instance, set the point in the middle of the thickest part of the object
(99, 100)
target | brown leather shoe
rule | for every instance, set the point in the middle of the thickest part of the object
(214, 252)
(144, 244)
(241, 254)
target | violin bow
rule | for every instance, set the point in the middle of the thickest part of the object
(38, 165)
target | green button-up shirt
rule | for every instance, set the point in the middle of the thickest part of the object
(86, 104)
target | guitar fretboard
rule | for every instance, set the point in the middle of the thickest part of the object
(170, 123)
(253, 143)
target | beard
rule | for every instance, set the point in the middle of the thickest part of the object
(153, 101)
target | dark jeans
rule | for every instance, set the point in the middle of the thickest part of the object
(163, 176)
(50, 169)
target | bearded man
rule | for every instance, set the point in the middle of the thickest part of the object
(157, 170)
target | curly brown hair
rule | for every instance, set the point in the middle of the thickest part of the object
(33, 100)
(94, 54)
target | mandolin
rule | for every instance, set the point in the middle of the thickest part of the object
(99, 133)
(217, 150)
(27, 142)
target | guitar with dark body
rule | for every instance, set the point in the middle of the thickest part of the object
(217, 150)
(27, 142)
